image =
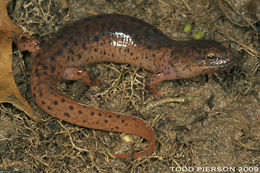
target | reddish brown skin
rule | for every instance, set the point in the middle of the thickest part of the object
(119, 39)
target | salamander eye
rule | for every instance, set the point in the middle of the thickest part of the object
(35, 43)
(211, 54)
(211, 57)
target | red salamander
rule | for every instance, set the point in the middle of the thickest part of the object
(119, 39)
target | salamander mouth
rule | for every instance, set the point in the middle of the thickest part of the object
(220, 61)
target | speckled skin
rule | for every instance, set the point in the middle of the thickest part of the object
(120, 39)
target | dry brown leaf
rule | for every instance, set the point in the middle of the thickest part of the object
(8, 90)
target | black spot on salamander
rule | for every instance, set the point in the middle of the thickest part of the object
(58, 52)
(53, 68)
(198, 51)
(66, 114)
(72, 59)
(62, 100)
(43, 102)
(79, 56)
(71, 107)
(38, 84)
(68, 58)
(132, 54)
(37, 73)
(104, 52)
(139, 39)
(103, 25)
(55, 102)
(52, 58)
(117, 127)
(111, 128)
(87, 38)
(45, 73)
(71, 51)
(118, 116)
(149, 47)
(45, 67)
(40, 94)
(106, 121)
(153, 55)
(99, 114)
(173, 53)
(38, 55)
(126, 124)
(128, 50)
(65, 44)
(112, 55)
(122, 121)
(158, 46)
(96, 38)
(75, 43)
(109, 116)
(80, 112)
(84, 121)
(84, 46)
(48, 107)
(92, 113)
(95, 50)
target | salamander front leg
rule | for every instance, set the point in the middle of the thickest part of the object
(151, 82)
(76, 73)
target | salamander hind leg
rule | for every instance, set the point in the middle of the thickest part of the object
(76, 73)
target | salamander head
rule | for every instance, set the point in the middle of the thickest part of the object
(204, 56)
(215, 57)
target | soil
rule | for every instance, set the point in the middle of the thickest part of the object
(202, 124)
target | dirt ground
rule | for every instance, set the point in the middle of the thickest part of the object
(204, 123)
